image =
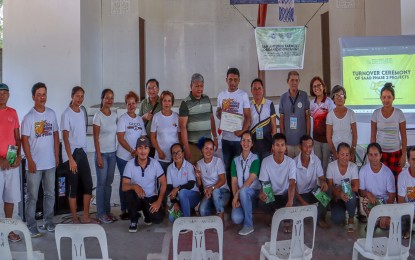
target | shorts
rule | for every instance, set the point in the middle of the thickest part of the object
(10, 185)
(82, 177)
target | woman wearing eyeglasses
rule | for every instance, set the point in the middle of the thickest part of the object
(388, 128)
(341, 124)
(319, 109)
(181, 183)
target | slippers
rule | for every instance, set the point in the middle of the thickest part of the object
(13, 237)
(287, 228)
(76, 221)
(350, 228)
(91, 221)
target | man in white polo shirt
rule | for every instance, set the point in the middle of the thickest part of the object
(40, 142)
(309, 170)
(140, 186)
(278, 169)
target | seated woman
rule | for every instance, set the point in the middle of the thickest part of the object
(181, 183)
(245, 185)
(341, 175)
(210, 175)
(377, 183)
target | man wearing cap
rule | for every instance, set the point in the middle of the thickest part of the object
(196, 119)
(140, 186)
(9, 169)
(40, 143)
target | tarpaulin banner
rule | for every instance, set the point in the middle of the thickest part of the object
(240, 2)
(280, 48)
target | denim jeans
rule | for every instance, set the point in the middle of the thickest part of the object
(339, 207)
(230, 150)
(121, 166)
(188, 199)
(248, 199)
(33, 183)
(220, 197)
(105, 177)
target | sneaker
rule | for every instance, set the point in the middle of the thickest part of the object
(350, 228)
(246, 231)
(105, 219)
(34, 232)
(125, 216)
(133, 227)
(147, 222)
(112, 217)
(50, 227)
(323, 224)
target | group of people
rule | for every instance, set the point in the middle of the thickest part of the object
(168, 158)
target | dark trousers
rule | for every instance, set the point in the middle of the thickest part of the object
(310, 199)
(135, 204)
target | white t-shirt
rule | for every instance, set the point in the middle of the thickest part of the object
(388, 134)
(233, 102)
(406, 186)
(379, 184)
(211, 171)
(146, 178)
(107, 131)
(334, 173)
(39, 127)
(74, 122)
(307, 177)
(342, 130)
(166, 128)
(178, 177)
(278, 174)
(132, 128)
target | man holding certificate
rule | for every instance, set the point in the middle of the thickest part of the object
(235, 118)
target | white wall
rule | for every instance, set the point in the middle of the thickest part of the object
(41, 43)
(407, 17)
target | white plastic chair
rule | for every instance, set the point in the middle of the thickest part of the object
(6, 226)
(198, 225)
(384, 247)
(294, 248)
(77, 232)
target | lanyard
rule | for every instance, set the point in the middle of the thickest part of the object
(293, 102)
(244, 167)
(259, 112)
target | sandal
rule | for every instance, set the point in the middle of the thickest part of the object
(350, 228)
(91, 221)
(13, 237)
(407, 235)
(287, 228)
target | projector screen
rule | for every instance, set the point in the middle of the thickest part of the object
(369, 62)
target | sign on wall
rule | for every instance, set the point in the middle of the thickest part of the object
(239, 2)
(280, 48)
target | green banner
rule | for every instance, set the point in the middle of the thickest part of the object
(280, 48)
(364, 77)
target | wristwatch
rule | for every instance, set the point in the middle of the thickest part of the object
(213, 187)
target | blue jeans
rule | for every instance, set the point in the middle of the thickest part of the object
(48, 183)
(339, 207)
(220, 197)
(248, 198)
(105, 177)
(121, 166)
(188, 199)
(230, 150)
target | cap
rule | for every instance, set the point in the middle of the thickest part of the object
(4, 87)
(142, 140)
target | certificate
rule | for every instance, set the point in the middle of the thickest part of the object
(231, 122)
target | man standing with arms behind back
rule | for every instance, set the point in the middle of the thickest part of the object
(196, 119)
(294, 114)
(40, 141)
(236, 101)
(9, 172)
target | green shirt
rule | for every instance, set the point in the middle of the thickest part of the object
(145, 106)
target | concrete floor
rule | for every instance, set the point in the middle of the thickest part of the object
(154, 242)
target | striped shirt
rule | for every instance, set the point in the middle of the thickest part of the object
(198, 112)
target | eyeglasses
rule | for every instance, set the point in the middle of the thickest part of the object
(317, 85)
(339, 95)
(152, 88)
(178, 153)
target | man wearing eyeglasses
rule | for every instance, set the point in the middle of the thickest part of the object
(294, 114)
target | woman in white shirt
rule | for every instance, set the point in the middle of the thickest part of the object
(164, 130)
(388, 128)
(130, 127)
(339, 173)
(104, 129)
(210, 175)
(341, 124)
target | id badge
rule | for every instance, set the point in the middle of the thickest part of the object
(293, 122)
(260, 133)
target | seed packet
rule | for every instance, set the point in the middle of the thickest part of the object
(371, 206)
(321, 196)
(11, 154)
(267, 189)
(347, 188)
(175, 215)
